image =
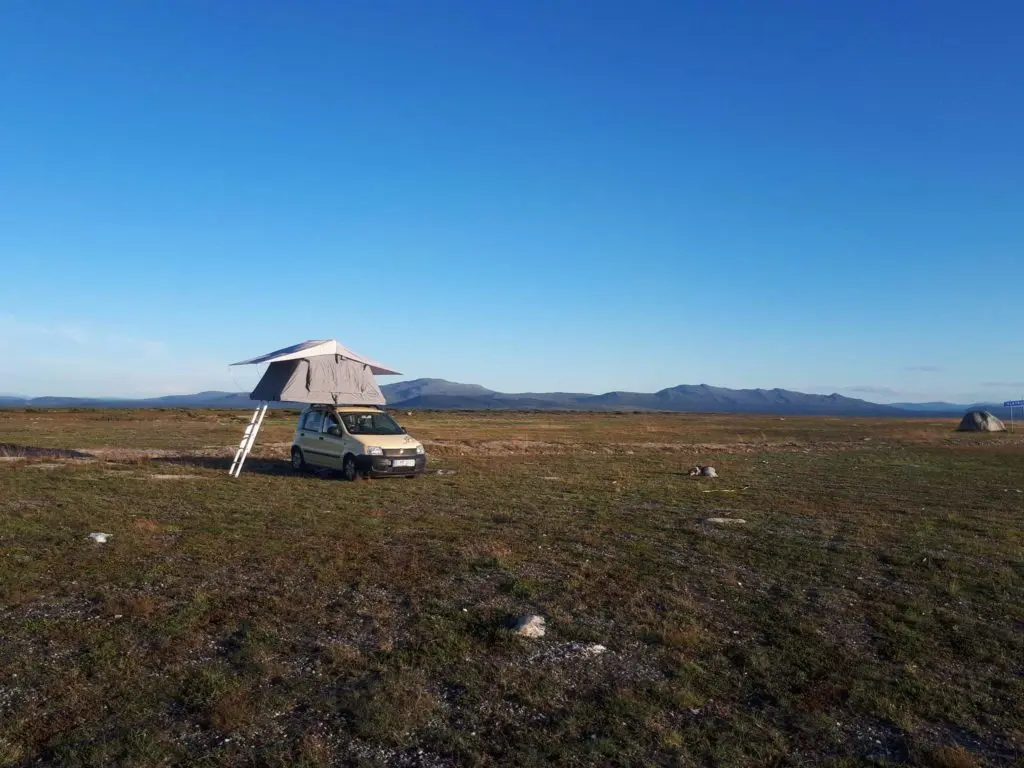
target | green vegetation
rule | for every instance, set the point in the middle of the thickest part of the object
(870, 611)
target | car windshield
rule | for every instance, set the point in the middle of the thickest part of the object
(370, 424)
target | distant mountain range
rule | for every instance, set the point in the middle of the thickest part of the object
(448, 395)
(944, 407)
(212, 399)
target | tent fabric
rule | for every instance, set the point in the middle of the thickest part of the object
(980, 421)
(310, 349)
(324, 379)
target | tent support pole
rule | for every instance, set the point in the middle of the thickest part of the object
(248, 438)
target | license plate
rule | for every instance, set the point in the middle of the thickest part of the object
(403, 463)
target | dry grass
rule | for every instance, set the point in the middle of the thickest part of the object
(871, 610)
(951, 757)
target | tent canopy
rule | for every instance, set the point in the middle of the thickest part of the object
(308, 349)
(322, 379)
(319, 372)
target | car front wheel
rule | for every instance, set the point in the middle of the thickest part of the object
(348, 468)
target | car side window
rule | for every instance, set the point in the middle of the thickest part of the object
(313, 421)
(332, 426)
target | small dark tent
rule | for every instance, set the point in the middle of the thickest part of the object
(980, 421)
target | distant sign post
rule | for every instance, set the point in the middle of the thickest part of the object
(1011, 404)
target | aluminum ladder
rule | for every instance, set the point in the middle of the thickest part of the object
(248, 439)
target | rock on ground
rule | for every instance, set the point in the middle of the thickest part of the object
(529, 625)
(700, 470)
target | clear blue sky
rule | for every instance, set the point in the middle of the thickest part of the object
(570, 195)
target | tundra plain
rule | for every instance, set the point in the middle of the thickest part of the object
(869, 611)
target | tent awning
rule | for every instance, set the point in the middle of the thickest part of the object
(309, 349)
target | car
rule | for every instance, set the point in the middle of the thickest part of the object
(356, 441)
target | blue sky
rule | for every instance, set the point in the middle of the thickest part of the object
(550, 195)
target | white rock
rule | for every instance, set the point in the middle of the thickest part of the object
(594, 649)
(726, 520)
(708, 472)
(100, 538)
(529, 625)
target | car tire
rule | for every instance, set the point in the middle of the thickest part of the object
(298, 460)
(348, 468)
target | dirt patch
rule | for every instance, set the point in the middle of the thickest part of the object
(128, 454)
(15, 451)
(498, 447)
(546, 447)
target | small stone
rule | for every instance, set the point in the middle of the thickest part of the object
(529, 625)
(727, 520)
(100, 538)
(701, 470)
(594, 649)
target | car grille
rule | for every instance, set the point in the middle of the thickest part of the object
(399, 452)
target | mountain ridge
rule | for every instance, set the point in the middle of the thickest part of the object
(681, 398)
(434, 393)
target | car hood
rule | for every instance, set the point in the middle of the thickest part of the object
(388, 442)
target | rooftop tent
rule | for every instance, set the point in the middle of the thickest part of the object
(309, 349)
(319, 372)
(323, 379)
(311, 372)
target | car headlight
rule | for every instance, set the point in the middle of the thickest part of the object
(419, 450)
(374, 450)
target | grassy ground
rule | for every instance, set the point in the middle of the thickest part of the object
(869, 611)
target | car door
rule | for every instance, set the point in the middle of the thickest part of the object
(333, 440)
(350, 424)
(311, 440)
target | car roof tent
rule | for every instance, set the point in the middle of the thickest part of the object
(309, 349)
(317, 372)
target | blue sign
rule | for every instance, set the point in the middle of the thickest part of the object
(1014, 404)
